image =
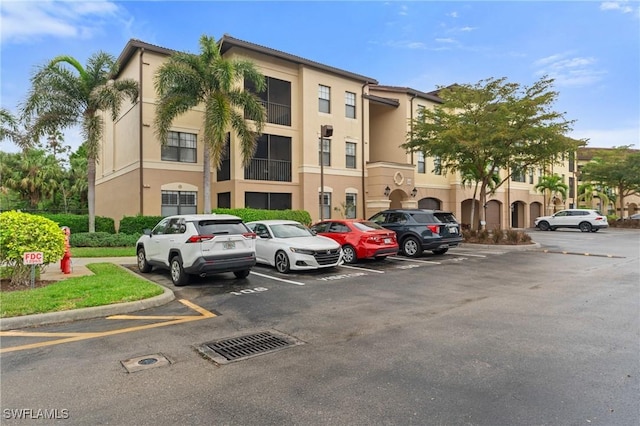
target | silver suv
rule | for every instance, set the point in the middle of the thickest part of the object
(582, 219)
(198, 244)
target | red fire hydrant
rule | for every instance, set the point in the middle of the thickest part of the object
(65, 262)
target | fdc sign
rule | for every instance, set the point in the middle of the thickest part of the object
(33, 258)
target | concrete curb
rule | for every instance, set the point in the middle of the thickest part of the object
(504, 247)
(88, 313)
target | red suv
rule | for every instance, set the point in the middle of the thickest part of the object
(359, 238)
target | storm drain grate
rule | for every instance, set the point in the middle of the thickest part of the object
(237, 348)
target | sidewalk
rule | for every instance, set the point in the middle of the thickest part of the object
(78, 269)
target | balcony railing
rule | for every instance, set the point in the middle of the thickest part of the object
(277, 113)
(265, 169)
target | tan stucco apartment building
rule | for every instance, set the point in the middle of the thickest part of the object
(364, 165)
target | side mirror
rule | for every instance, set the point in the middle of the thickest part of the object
(147, 232)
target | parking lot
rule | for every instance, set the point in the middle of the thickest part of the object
(476, 336)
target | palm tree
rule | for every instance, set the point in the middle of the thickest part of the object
(187, 80)
(551, 185)
(588, 191)
(10, 129)
(60, 98)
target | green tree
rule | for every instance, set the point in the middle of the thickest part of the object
(12, 129)
(617, 168)
(588, 191)
(187, 80)
(551, 185)
(470, 178)
(62, 97)
(495, 123)
(23, 232)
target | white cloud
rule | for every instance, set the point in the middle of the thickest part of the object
(403, 10)
(406, 44)
(569, 71)
(453, 14)
(621, 6)
(26, 21)
(445, 40)
(608, 138)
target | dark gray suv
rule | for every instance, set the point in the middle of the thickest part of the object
(418, 229)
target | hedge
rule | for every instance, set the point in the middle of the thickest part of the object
(136, 225)
(80, 222)
(102, 239)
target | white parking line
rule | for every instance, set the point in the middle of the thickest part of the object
(414, 260)
(466, 254)
(276, 278)
(362, 269)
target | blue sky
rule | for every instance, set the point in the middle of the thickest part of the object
(590, 48)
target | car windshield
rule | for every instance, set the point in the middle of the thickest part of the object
(290, 230)
(367, 226)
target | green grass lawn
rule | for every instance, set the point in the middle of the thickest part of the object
(110, 284)
(102, 251)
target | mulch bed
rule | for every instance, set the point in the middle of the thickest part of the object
(5, 285)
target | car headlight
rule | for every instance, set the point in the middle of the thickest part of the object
(301, 251)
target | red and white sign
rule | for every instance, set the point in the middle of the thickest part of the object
(33, 258)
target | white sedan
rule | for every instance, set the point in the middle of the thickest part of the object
(289, 245)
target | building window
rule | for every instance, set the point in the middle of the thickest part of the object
(325, 205)
(350, 104)
(179, 202)
(531, 176)
(224, 200)
(267, 200)
(350, 205)
(324, 99)
(224, 171)
(350, 150)
(324, 151)
(420, 161)
(180, 147)
(572, 189)
(437, 165)
(518, 174)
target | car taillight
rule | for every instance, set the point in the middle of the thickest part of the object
(200, 238)
(434, 228)
(250, 235)
(599, 218)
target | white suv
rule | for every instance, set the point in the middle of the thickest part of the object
(582, 219)
(198, 244)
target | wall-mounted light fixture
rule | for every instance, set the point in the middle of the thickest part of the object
(387, 191)
(414, 192)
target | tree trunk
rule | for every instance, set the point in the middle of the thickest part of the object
(473, 206)
(483, 203)
(91, 192)
(206, 186)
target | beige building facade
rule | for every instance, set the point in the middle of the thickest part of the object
(364, 169)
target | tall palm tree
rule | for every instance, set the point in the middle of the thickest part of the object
(552, 185)
(588, 191)
(187, 80)
(61, 97)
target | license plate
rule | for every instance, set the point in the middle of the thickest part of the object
(387, 240)
(453, 230)
(229, 245)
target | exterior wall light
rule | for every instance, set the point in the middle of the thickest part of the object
(387, 191)
(414, 192)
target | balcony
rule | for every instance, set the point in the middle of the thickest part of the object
(265, 169)
(277, 113)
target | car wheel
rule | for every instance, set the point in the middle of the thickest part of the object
(178, 276)
(411, 247)
(349, 254)
(440, 251)
(585, 227)
(143, 265)
(543, 226)
(242, 274)
(282, 262)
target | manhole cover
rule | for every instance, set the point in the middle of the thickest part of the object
(144, 362)
(247, 346)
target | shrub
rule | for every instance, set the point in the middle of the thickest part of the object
(80, 222)
(103, 239)
(249, 215)
(24, 232)
(497, 236)
(483, 235)
(136, 225)
(513, 236)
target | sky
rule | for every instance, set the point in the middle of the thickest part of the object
(590, 48)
